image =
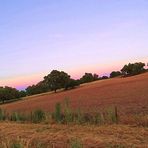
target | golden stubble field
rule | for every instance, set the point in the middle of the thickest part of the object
(58, 136)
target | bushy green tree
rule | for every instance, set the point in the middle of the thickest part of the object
(87, 77)
(8, 93)
(57, 79)
(133, 68)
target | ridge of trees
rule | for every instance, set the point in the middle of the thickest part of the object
(61, 80)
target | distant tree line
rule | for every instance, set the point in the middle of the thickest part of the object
(61, 80)
(130, 70)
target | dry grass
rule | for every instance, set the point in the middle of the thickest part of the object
(60, 135)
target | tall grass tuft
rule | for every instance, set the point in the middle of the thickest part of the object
(68, 116)
(113, 115)
(79, 117)
(38, 116)
(57, 115)
(98, 119)
(2, 115)
(15, 116)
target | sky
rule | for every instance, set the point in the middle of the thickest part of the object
(77, 36)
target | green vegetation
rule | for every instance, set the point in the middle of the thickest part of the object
(65, 115)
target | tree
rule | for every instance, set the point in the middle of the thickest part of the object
(22, 93)
(96, 77)
(40, 87)
(87, 77)
(133, 69)
(104, 77)
(57, 79)
(72, 84)
(115, 74)
(8, 93)
(2, 94)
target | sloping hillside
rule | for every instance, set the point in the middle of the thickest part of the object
(129, 94)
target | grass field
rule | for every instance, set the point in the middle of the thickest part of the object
(129, 95)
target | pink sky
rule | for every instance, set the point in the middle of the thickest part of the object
(22, 82)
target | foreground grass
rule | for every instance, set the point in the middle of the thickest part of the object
(75, 136)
